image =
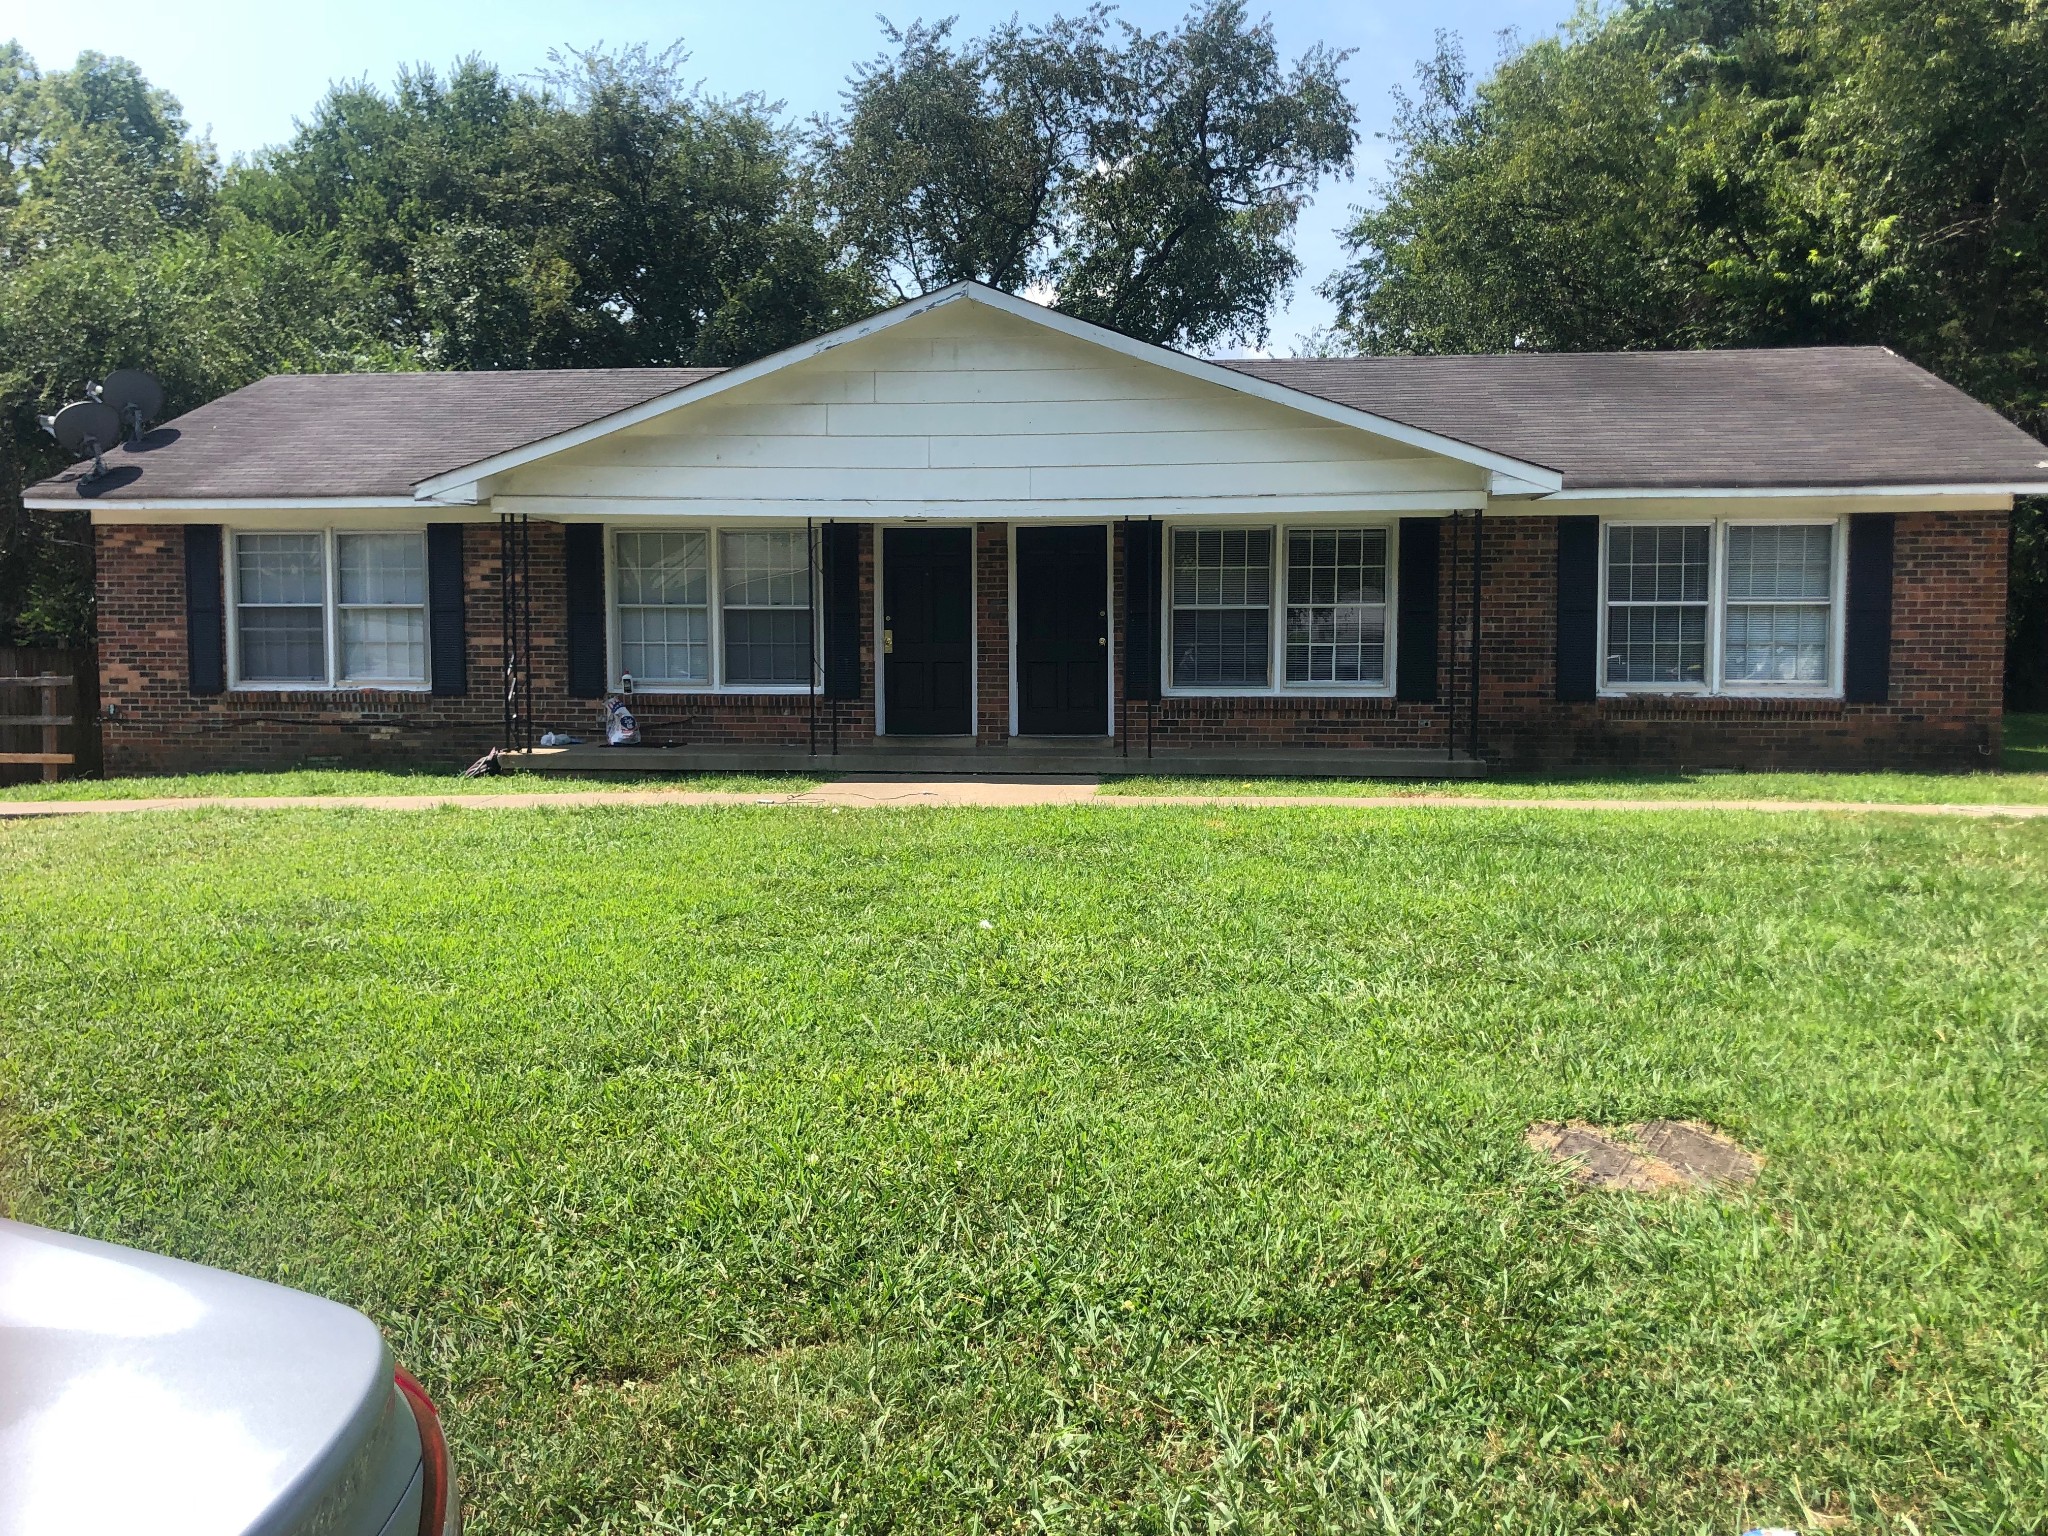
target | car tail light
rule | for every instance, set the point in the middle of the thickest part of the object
(437, 1497)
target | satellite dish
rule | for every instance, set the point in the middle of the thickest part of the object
(136, 398)
(86, 427)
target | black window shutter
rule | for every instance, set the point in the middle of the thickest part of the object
(1143, 543)
(1578, 608)
(583, 552)
(445, 633)
(839, 554)
(1867, 636)
(1415, 638)
(206, 667)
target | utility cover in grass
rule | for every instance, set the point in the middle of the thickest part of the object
(1654, 1157)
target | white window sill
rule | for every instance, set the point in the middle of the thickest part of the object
(310, 687)
(706, 690)
(1751, 692)
(1292, 691)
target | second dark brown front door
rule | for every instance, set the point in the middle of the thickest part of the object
(1063, 631)
(927, 632)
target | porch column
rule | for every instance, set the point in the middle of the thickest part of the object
(992, 634)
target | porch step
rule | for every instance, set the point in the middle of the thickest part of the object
(1040, 758)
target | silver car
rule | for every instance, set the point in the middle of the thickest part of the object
(139, 1393)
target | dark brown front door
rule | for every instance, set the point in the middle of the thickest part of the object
(1063, 631)
(927, 631)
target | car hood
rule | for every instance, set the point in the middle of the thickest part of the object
(144, 1393)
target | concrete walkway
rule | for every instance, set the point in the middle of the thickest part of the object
(877, 792)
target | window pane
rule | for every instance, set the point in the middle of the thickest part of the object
(1220, 646)
(1336, 605)
(1777, 643)
(656, 568)
(279, 568)
(388, 568)
(1780, 564)
(384, 644)
(767, 645)
(665, 645)
(1665, 564)
(282, 645)
(1648, 644)
(765, 570)
(1222, 567)
(664, 595)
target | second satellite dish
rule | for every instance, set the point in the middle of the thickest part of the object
(136, 398)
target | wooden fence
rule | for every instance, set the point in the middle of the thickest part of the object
(49, 713)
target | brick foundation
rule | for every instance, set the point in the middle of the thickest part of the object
(1948, 622)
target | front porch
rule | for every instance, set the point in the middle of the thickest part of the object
(1021, 757)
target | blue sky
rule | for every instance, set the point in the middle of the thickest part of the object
(244, 70)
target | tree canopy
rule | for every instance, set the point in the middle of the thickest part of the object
(1146, 181)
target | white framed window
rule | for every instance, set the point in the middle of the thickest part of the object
(1221, 607)
(1780, 604)
(713, 610)
(281, 607)
(324, 608)
(663, 581)
(1336, 605)
(1727, 606)
(765, 581)
(1273, 610)
(1658, 576)
(381, 602)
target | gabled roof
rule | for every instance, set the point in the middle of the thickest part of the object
(1771, 421)
(462, 483)
(1782, 418)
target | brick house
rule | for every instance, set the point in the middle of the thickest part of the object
(971, 532)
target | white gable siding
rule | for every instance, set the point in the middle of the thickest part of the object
(969, 412)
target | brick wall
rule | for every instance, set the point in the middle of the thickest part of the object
(159, 726)
(1948, 658)
(1944, 711)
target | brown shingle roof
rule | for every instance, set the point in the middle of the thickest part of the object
(1793, 417)
(1786, 417)
(361, 434)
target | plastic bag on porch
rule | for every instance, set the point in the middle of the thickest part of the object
(620, 728)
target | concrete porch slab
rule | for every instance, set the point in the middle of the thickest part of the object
(1033, 759)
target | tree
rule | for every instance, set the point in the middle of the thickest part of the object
(1150, 182)
(1681, 173)
(606, 216)
(116, 252)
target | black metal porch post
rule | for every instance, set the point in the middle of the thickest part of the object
(1478, 560)
(1451, 651)
(811, 622)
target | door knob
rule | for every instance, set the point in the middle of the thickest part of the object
(888, 642)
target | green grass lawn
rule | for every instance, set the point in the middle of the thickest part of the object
(361, 781)
(1086, 1169)
(2023, 781)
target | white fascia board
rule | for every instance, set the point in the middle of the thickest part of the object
(467, 480)
(1783, 493)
